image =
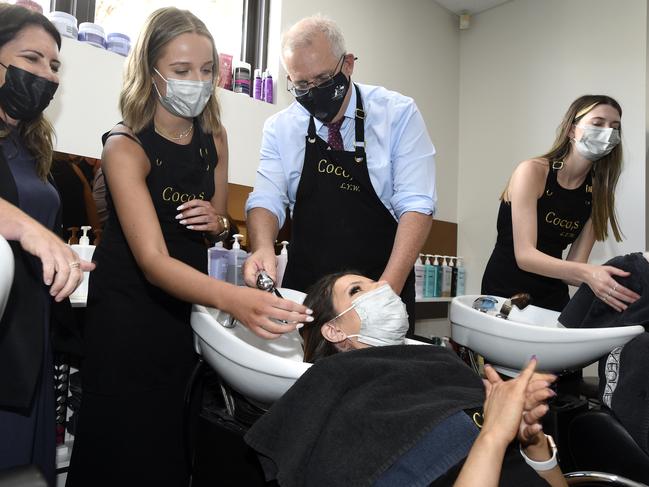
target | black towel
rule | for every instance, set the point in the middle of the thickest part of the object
(351, 415)
(585, 310)
(624, 387)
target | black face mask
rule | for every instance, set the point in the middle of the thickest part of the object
(25, 95)
(324, 103)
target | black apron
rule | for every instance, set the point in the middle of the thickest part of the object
(339, 223)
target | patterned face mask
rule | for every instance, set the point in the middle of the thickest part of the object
(384, 319)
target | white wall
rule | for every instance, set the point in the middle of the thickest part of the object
(85, 105)
(521, 65)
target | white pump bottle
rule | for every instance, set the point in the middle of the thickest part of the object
(85, 251)
(282, 261)
(236, 257)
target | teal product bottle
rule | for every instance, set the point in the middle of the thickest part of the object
(437, 278)
(217, 261)
(428, 279)
(420, 276)
(236, 258)
(460, 288)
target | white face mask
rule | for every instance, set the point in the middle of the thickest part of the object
(384, 319)
(596, 142)
(185, 98)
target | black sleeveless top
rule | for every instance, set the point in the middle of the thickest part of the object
(137, 336)
(561, 215)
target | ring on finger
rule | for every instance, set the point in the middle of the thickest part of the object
(75, 265)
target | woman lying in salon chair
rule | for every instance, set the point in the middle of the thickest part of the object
(398, 415)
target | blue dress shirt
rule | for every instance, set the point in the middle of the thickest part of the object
(400, 154)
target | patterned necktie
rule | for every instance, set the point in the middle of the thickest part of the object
(334, 139)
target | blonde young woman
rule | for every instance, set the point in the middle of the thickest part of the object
(166, 173)
(563, 198)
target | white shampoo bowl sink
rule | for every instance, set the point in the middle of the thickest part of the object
(6, 272)
(260, 369)
(533, 331)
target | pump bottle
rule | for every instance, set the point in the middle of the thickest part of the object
(420, 275)
(217, 261)
(447, 277)
(428, 277)
(453, 276)
(282, 262)
(460, 288)
(85, 251)
(236, 257)
(437, 278)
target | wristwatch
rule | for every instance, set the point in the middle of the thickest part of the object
(226, 228)
(546, 464)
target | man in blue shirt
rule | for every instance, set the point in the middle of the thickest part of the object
(353, 162)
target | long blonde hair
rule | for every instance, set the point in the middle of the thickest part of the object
(37, 134)
(137, 101)
(605, 171)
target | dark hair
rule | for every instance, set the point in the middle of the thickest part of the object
(320, 299)
(37, 133)
(14, 18)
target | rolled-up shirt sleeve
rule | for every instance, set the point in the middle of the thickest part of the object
(413, 165)
(271, 185)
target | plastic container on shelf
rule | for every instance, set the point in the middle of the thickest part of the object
(65, 23)
(241, 76)
(118, 43)
(93, 34)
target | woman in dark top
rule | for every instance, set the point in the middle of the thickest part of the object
(44, 266)
(565, 197)
(166, 178)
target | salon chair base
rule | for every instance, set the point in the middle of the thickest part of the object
(220, 455)
(599, 442)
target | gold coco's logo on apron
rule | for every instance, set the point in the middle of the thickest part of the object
(552, 218)
(169, 194)
(326, 167)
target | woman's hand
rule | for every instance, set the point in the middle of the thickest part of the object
(62, 267)
(600, 279)
(200, 216)
(537, 394)
(257, 309)
(504, 404)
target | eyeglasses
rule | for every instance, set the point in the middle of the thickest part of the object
(302, 87)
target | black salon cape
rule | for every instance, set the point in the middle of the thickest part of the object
(585, 310)
(351, 415)
(624, 375)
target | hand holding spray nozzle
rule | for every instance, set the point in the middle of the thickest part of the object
(266, 283)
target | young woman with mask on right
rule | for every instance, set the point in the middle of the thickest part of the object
(564, 197)
(166, 175)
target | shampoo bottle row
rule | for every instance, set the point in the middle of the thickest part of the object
(439, 276)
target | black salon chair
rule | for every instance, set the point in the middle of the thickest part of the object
(599, 442)
(24, 476)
